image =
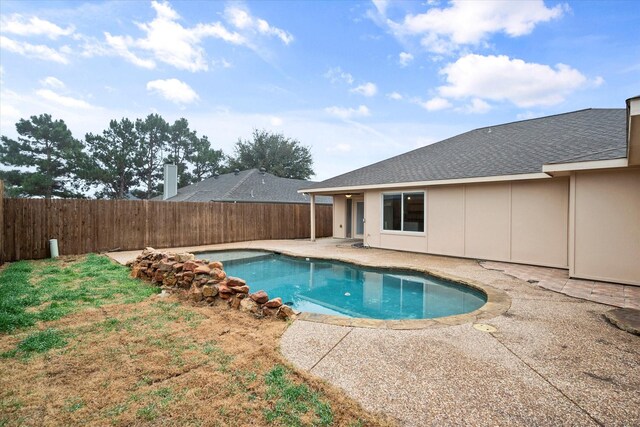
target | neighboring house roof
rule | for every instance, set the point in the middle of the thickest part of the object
(249, 185)
(510, 149)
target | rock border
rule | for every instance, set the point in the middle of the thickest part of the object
(205, 283)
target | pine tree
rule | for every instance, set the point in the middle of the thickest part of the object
(153, 137)
(180, 147)
(205, 160)
(52, 156)
(112, 164)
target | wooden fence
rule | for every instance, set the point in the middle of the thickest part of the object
(83, 226)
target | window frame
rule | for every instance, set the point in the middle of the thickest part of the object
(402, 231)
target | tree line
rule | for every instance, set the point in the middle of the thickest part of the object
(126, 159)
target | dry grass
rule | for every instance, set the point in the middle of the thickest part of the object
(164, 362)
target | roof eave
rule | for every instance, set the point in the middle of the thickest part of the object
(355, 188)
(583, 166)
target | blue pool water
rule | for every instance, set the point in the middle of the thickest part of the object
(343, 289)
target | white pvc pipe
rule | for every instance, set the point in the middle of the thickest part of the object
(53, 247)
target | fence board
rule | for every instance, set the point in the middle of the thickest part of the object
(83, 226)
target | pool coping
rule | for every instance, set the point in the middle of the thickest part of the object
(498, 302)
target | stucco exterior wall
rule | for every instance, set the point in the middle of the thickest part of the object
(445, 220)
(605, 211)
(523, 222)
(339, 216)
(487, 221)
(540, 222)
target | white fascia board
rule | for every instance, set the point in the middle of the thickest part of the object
(581, 166)
(498, 178)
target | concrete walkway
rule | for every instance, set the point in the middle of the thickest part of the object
(550, 360)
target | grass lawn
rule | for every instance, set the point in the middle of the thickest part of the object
(83, 344)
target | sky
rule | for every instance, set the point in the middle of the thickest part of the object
(357, 82)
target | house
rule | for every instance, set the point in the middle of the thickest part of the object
(251, 185)
(560, 191)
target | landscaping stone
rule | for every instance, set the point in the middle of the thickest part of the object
(235, 281)
(269, 312)
(260, 297)
(209, 291)
(218, 274)
(224, 289)
(248, 305)
(170, 280)
(166, 265)
(158, 277)
(273, 303)
(285, 312)
(190, 266)
(235, 302)
(184, 257)
(205, 282)
(197, 296)
(202, 269)
(215, 265)
(241, 289)
(136, 272)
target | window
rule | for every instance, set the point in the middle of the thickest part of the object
(403, 212)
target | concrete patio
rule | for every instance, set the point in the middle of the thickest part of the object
(550, 359)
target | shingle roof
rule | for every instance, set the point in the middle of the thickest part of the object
(249, 185)
(509, 149)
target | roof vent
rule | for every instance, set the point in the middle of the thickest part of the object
(236, 172)
(263, 171)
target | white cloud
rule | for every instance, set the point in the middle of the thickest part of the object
(405, 59)
(33, 51)
(119, 46)
(52, 82)
(342, 148)
(435, 104)
(445, 29)
(242, 19)
(8, 111)
(336, 75)
(477, 106)
(221, 63)
(381, 6)
(528, 115)
(173, 90)
(34, 26)
(65, 101)
(348, 113)
(276, 121)
(167, 40)
(395, 96)
(499, 78)
(366, 89)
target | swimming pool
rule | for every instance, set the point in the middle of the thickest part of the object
(343, 289)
